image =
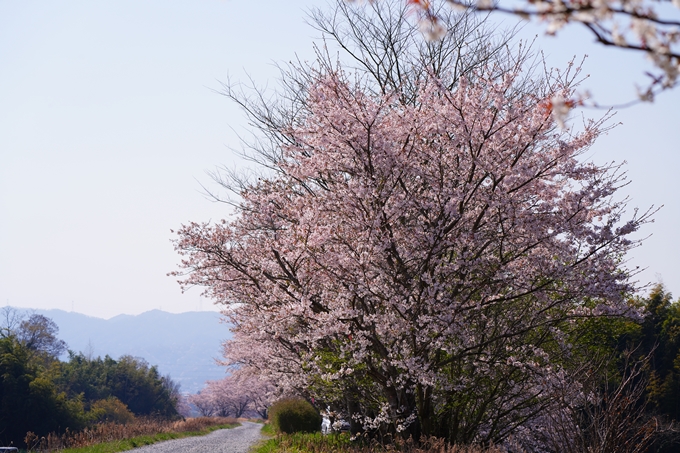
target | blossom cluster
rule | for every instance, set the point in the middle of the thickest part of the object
(646, 26)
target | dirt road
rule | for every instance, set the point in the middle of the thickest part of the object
(236, 440)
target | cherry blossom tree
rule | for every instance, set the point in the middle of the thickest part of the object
(217, 398)
(202, 401)
(183, 405)
(419, 249)
(649, 27)
(235, 395)
(256, 389)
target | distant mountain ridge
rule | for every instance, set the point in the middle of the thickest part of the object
(184, 345)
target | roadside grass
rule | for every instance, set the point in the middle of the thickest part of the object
(268, 430)
(342, 443)
(140, 441)
(303, 443)
(111, 438)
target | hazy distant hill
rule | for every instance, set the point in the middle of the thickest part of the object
(183, 345)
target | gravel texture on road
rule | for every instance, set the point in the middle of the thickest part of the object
(235, 440)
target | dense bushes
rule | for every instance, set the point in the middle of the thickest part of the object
(292, 415)
(29, 400)
(129, 379)
(40, 394)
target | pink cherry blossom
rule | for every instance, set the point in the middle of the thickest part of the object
(421, 264)
(242, 392)
(644, 26)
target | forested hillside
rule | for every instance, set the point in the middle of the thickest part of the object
(183, 345)
(41, 394)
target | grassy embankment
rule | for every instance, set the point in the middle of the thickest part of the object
(302, 442)
(113, 438)
(341, 443)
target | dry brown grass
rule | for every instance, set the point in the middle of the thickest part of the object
(110, 432)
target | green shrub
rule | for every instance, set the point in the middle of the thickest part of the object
(293, 415)
(111, 410)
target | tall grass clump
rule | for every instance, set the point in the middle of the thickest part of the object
(294, 415)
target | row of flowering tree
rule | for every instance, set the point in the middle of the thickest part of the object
(423, 242)
(239, 394)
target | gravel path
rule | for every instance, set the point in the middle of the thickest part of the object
(235, 440)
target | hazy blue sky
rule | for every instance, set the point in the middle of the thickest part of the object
(109, 121)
